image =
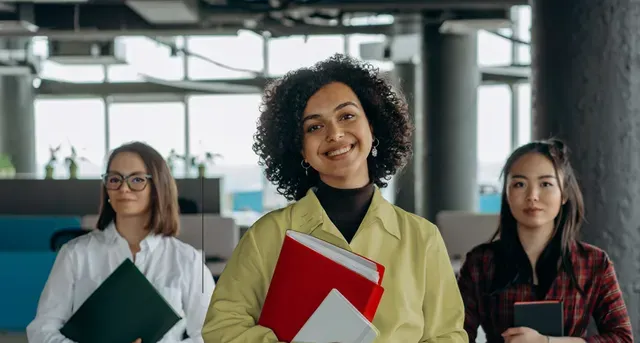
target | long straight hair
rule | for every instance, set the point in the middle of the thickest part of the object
(514, 264)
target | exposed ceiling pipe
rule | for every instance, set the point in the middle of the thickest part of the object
(278, 30)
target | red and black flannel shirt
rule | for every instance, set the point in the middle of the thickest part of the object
(595, 274)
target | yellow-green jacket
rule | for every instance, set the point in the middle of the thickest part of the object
(421, 301)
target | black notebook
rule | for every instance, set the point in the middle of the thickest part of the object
(124, 308)
(546, 317)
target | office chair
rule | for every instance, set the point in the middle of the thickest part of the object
(188, 206)
(62, 236)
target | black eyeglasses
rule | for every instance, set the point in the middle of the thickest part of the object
(136, 182)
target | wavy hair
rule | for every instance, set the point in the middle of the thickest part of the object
(278, 140)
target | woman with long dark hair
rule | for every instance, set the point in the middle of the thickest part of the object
(535, 255)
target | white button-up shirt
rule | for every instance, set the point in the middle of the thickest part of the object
(173, 267)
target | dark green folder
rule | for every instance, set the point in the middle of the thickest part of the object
(124, 308)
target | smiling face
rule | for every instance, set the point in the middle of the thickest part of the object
(128, 185)
(533, 193)
(337, 136)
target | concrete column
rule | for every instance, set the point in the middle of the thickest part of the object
(17, 120)
(409, 182)
(451, 80)
(586, 91)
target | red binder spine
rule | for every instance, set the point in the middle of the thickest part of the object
(370, 310)
(302, 279)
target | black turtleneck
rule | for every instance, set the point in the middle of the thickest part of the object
(345, 207)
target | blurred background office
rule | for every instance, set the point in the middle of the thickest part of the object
(185, 76)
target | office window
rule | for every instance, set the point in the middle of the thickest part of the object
(160, 125)
(244, 51)
(524, 34)
(66, 123)
(225, 125)
(146, 57)
(494, 131)
(524, 113)
(494, 50)
(289, 53)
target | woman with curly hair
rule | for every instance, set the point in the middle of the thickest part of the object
(330, 136)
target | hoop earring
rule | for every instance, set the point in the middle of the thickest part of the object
(374, 150)
(305, 167)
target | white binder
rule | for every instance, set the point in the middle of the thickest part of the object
(336, 321)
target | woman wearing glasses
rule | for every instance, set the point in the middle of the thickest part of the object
(139, 220)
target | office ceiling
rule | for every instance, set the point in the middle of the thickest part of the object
(93, 18)
(91, 21)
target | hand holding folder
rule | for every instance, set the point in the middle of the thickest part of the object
(125, 308)
(308, 269)
(546, 317)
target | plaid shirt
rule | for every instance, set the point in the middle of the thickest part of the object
(595, 274)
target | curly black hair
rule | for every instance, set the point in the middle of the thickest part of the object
(278, 140)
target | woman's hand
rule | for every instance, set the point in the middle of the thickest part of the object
(139, 340)
(523, 335)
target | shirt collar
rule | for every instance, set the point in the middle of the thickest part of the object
(112, 236)
(308, 213)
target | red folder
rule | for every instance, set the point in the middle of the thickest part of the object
(303, 277)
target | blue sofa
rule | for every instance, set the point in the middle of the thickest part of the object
(26, 259)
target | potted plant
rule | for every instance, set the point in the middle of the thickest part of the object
(172, 158)
(53, 158)
(201, 163)
(72, 163)
(6, 166)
